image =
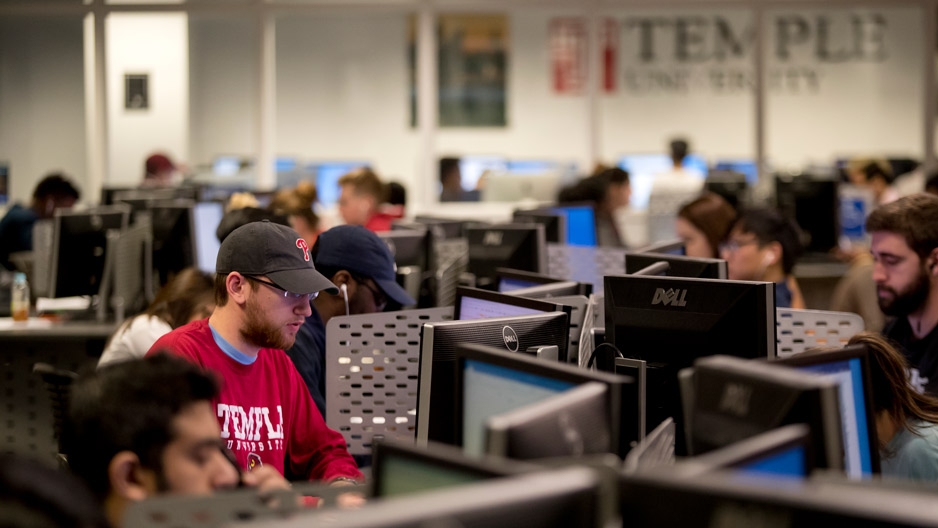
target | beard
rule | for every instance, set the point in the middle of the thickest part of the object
(259, 331)
(907, 301)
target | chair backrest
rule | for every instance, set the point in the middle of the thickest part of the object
(799, 330)
(58, 383)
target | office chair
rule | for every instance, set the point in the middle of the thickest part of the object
(58, 385)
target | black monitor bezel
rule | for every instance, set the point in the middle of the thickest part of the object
(56, 258)
(847, 353)
(545, 217)
(536, 230)
(652, 257)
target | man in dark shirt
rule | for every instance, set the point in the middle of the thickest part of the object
(16, 229)
(904, 244)
(361, 265)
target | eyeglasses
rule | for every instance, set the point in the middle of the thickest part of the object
(732, 246)
(380, 299)
(286, 294)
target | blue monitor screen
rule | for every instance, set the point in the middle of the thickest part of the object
(474, 308)
(853, 418)
(284, 164)
(531, 166)
(643, 168)
(472, 167)
(226, 165)
(489, 390)
(789, 463)
(327, 179)
(206, 217)
(743, 166)
(506, 284)
(581, 225)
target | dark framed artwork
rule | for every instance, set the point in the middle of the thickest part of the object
(136, 91)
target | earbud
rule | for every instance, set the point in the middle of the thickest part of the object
(344, 288)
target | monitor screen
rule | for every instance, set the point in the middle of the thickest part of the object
(788, 463)
(490, 382)
(4, 183)
(850, 368)
(812, 202)
(643, 168)
(473, 303)
(174, 246)
(205, 219)
(438, 343)
(746, 167)
(471, 168)
(669, 322)
(574, 422)
(532, 166)
(409, 247)
(79, 248)
(581, 224)
(784, 451)
(516, 246)
(284, 164)
(678, 266)
(226, 165)
(327, 179)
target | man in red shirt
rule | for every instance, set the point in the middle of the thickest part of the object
(361, 199)
(264, 282)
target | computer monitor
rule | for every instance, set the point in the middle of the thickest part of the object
(643, 168)
(678, 266)
(581, 224)
(327, 178)
(532, 166)
(572, 423)
(555, 223)
(554, 289)
(785, 451)
(4, 183)
(732, 186)
(174, 247)
(472, 167)
(402, 469)
(850, 366)
(443, 228)
(438, 342)
(474, 303)
(410, 247)
(734, 399)
(516, 246)
(205, 219)
(813, 203)
(79, 246)
(508, 280)
(675, 246)
(490, 382)
(227, 165)
(504, 187)
(747, 167)
(669, 322)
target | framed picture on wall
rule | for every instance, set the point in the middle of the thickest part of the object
(136, 91)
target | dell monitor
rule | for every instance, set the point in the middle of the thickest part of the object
(851, 368)
(490, 382)
(575, 422)
(678, 266)
(438, 342)
(443, 228)
(581, 224)
(79, 246)
(517, 246)
(327, 178)
(173, 241)
(812, 202)
(555, 223)
(735, 399)
(473, 303)
(510, 280)
(205, 219)
(409, 247)
(669, 322)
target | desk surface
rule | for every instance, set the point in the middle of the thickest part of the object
(44, 329)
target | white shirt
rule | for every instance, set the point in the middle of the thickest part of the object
(134, 340)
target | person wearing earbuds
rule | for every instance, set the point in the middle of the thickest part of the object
(53, 192)
(904, 245)
(361, 265)
(763, 245)
(264, 282)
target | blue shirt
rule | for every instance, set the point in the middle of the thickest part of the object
(16, 233)
(782, 295)
(913, 455)
(309, 357)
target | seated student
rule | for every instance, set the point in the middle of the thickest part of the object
(297, 205)
(264, 283)
(609, 190)
(451, 183)
(764, 246)
(159, 171)
(140, 428)
(360, 200)
(876, 175)
(703, 224)
(188, 296)
(361, 265)
(906, 420)
(53, 192)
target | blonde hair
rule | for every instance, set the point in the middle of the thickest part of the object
(240, 200)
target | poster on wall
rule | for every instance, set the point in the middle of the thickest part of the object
(136, 91)
(568, 55)
(472, 73)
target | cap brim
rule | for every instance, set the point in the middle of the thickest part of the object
(302, 281)
(395, 292)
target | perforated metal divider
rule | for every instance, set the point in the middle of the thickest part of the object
(372, 369)
(585, 263)
(799, 330)
(452, 259)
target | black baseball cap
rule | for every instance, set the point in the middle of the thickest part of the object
(275, 251)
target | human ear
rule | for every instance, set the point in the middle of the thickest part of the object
(128, 479)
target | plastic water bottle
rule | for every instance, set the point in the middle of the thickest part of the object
(19, 300)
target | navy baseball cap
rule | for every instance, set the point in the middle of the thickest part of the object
(275, 251)
(361, 252)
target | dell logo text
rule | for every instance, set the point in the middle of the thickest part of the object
(510, 338)
(492, 238)
(669, 297)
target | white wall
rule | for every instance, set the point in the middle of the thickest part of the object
(42, 120)
(155, 44)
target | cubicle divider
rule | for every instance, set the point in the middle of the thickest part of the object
(585, 263)
(372, 370)
(799, 330)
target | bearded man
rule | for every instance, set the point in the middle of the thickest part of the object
(904, 245)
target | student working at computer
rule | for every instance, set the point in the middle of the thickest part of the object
(263, 287)
(361, 198)
(764, 246)
(703, 223)
(904, 245)
(55, 191)
(609, 190)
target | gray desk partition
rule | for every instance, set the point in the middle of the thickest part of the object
(372, 369)
(579, 304)
(799, 330)
(585, 263)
